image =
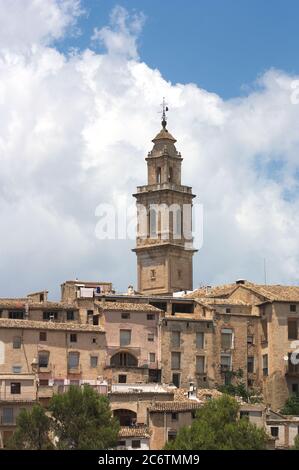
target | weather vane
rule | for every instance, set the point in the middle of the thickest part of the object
(164, 110)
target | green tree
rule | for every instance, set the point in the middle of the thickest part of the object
(218, 427)
(32, 431)
(236, 387)
(291, 406)
(296, 443)
(82, 419)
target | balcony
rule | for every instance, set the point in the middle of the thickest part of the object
(45, 369)
(7, 422)
(164, 186)
(18, 397)
(45, 391)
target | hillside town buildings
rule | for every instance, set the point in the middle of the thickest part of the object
(160, 351)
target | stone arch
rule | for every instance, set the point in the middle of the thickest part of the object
(123, 359)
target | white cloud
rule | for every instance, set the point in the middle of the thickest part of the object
(24, 23)
(74, 132)
(120, 38)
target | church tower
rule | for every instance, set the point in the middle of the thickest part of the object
(164, 246)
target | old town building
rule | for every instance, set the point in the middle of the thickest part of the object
(160, 351)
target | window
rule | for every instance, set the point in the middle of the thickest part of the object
(150, 316)
(125, 316)
(73, 360)
(292, 329)
(170, 173)
(121, 443)
(171, 436)
(228, 310)
(153, 274)
(200, 340)
(293, 308)
(43, 359)
(265, 364)
(226, 338)
(125, 337)
(158, 175)
(150, 336)
(17, 342)
(225, 362)
(50, 316)
(43, 336)
(175, 339)
(153, 222)
(200, 364)
(175, 360)
(174, 416)
(274, 431)
(250, 339)
(250, 364)
(43, 382)
(295, 389)
(136, 444)
(16, 315)
(93, 361)
(122, 379)
(152, 357)
(73, 337)
(244, 414)
(94, 340)
(16, 369)
(7, 416)
(89, 313)
(179, 274)
(70, 316)
(15, 388)
(176, 379)
(264, 331)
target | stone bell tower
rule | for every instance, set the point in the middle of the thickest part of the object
(164, 221)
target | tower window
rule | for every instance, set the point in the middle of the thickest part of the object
(179, 274)
(158, 175)
(152, 222)
(170, 174)
(153, 274)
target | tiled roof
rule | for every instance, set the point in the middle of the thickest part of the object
(134, 431)
(215, 301)
(21, 303)
(164, 134)
(181, 394)
(175, 406)
(127, 306)
(268, 292)
(48, 325)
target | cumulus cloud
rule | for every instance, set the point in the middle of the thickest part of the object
(24, 23)
(74, 132)
(120, 37)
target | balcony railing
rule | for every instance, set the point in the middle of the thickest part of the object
(8, 422)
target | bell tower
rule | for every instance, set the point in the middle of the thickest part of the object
(164, 246)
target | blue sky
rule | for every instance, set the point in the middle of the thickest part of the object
(222, 46)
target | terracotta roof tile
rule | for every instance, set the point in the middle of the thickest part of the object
(269, 292)
(48, 305)
(134, 431)
(48, 325)
(175, 406)
(127, 306)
